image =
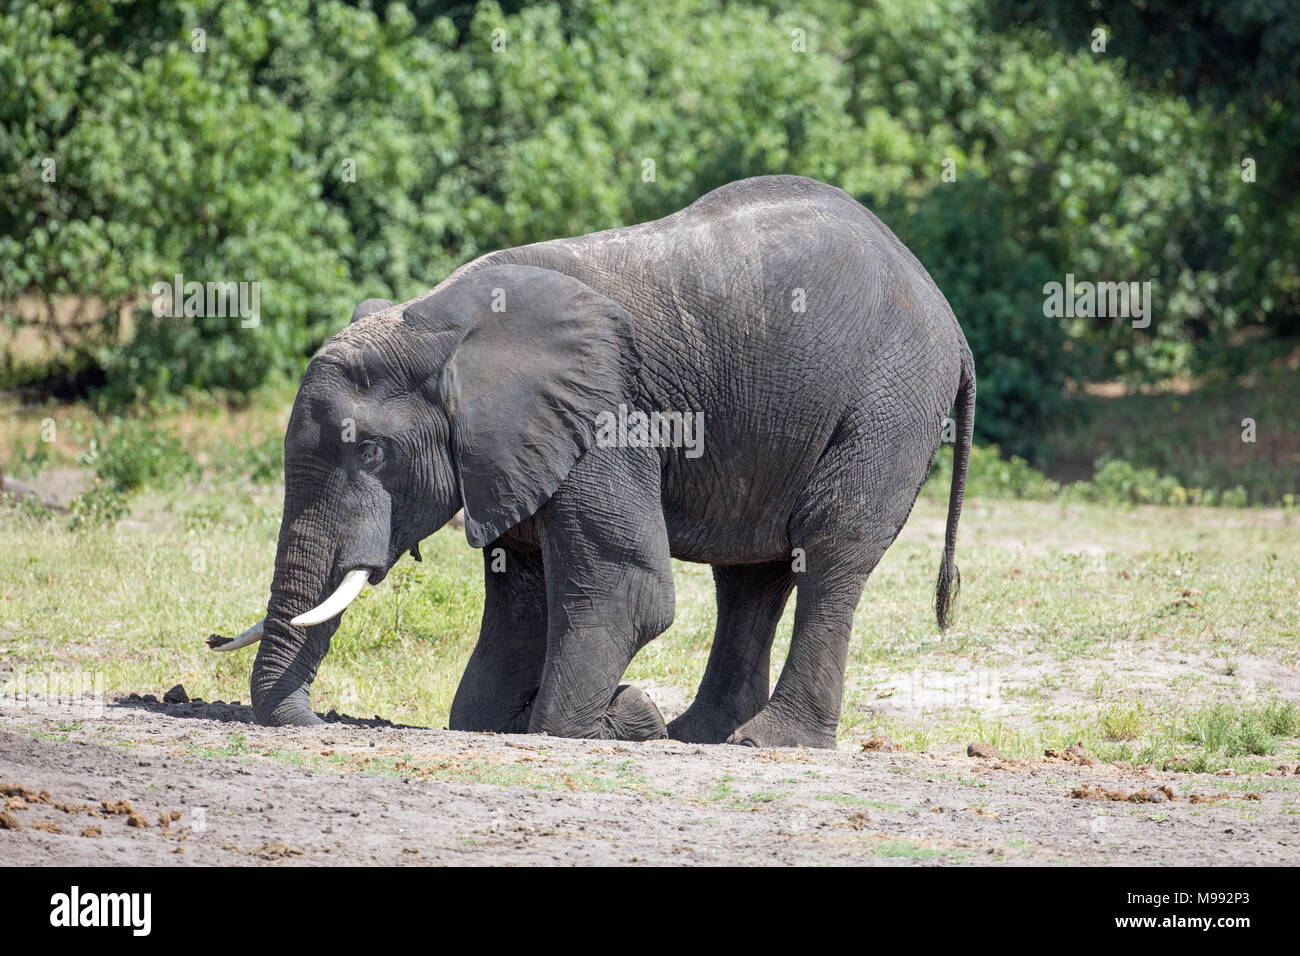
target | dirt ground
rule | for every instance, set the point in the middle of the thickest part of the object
(143, 782)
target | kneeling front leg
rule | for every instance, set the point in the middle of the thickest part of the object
(609, 593)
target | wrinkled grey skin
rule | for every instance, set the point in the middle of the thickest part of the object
(821, 425)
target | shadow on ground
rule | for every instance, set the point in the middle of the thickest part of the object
(237, 712)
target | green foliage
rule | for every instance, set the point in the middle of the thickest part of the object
(132, 454)
(1115, 482)
(102, 504)
(1121, 483)
(989, 475)
(25, 506)
(961, 232)
(263, 459)
(1122, 721)
(126, 456)
(339, 150)
(1233, 62)
(28, 462)
(1281, 719)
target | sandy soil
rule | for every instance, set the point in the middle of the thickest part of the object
(137, 782)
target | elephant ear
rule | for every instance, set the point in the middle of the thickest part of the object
(542, 356)
(369, 307)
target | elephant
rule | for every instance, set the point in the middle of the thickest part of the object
(813, 351)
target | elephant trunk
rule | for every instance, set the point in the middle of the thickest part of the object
(284, 670)
(288, 655)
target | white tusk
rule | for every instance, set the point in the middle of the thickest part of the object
(337, 602)
(250, 636)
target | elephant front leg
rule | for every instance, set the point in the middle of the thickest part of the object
(597, 626)
(576, 709)
(609, 593)
(496, 694)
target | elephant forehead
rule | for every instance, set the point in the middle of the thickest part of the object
(363, 365)
(329, 417)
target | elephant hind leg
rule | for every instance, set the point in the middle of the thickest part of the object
(853, 506)
(805, 707)
(751, 599)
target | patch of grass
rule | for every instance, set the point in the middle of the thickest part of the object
(236, 747)
(129, 454)
(29, 461)
(1239, 731)
(963, 781)
(723, 789)
(849, 800)
(725, 793)
(1281, 718)
(488, 769)
(906, 849)
(1099, 685)
(102, 504)
(948, 728)
(260, 458)
(1122, 721)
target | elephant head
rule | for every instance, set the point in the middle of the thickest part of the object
(481, 394)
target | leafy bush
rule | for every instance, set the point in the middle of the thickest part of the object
(1115, 482)
(961, 233)
(1122, 721)
(28, 464)
(1118, 482)
(1282, 719)
(341, 150)
(264, 460)
(989, 475)
(102, 504)
(132, 454)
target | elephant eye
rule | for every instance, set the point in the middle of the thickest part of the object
(370, 454)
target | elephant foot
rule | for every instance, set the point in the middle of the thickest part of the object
(630, 715)
(699, 728)
(633, 716)
(482, 720)
(291, 710)
(768, 729)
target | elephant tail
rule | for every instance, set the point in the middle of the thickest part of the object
(945, 595)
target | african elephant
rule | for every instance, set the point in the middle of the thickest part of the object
(804, 362)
